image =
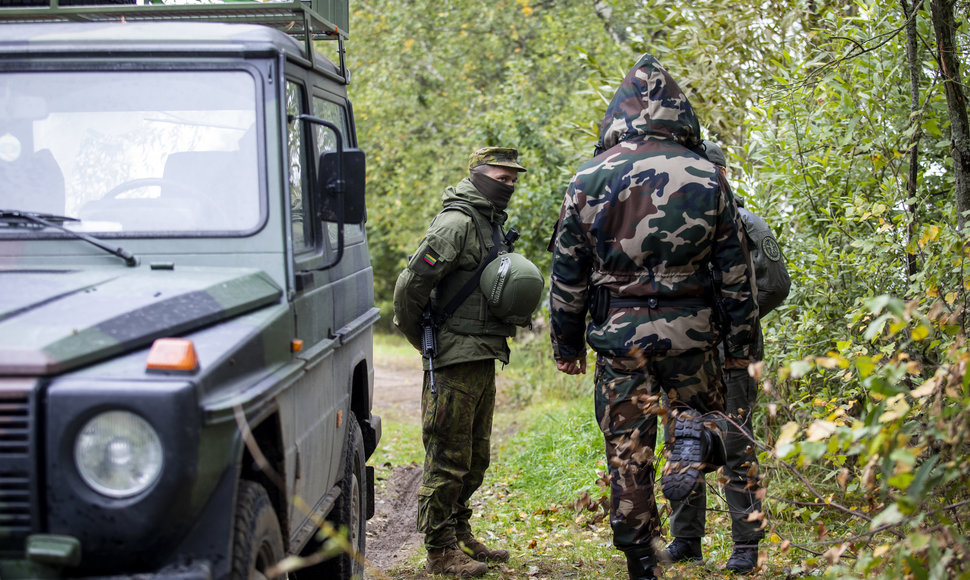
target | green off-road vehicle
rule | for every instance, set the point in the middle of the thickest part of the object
(186, 298)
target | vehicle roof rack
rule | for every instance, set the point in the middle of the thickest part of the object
(305, 20)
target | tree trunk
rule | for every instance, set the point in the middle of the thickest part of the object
(944, 25)
(912, 55)
(605, 12)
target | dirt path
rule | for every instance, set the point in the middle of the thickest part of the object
(391, 534)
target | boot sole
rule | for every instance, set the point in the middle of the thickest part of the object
(682, 474)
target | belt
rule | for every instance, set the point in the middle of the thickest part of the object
(655, 302)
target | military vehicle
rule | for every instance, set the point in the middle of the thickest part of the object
(186, 298)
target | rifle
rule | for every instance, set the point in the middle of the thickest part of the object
(510, 238)
(429, 343)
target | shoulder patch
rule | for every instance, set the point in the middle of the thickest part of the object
(430, 259)
(769, 247)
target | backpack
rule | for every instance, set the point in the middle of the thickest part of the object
(771, 274)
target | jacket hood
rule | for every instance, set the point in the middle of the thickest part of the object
(649, 103)
(465, 192)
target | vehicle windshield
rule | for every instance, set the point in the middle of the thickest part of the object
(131, 151)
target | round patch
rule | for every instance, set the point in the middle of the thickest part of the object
(769, 247)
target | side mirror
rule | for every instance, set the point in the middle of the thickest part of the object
(342, 172)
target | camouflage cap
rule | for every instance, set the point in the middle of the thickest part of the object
(500, 156)
(714, 154)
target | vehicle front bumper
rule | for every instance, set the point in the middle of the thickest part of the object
(53, 556)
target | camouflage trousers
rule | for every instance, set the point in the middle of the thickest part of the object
(456, 429)
(627, 404)
(742, 486)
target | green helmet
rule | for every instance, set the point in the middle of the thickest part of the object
(513, 288)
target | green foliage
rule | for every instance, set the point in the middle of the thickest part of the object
(530, 376)
(434, 84)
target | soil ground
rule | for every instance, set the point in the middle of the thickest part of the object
(391, 534)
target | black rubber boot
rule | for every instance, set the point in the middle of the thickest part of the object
(684, 550)
(640, 563)
(744, 559)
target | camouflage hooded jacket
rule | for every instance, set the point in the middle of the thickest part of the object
(452, 247)
(644, 218)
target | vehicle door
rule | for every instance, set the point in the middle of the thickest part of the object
(310, 412)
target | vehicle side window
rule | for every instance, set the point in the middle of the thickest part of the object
(302, 231)
(326, 141)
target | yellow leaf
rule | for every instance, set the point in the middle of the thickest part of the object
(843, 478)
(920, 332)
(788, 434)
(756, 370)
(896, 408)
(926, 389)
(755, 516)
(820, 430)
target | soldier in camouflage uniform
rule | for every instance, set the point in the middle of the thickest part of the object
(457, 417)
(639, 226)
(743, 489)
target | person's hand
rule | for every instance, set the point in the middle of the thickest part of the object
(572, 366)
(736, 363)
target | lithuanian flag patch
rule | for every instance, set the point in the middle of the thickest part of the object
(431, 260)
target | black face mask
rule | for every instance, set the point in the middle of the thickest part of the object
(496, 192)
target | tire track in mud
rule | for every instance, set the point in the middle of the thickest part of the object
(391, 534)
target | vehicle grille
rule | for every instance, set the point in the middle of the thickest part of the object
(16, 513)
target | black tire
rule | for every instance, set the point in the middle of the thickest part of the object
(350, 510)
(257, 542)
(348, 513)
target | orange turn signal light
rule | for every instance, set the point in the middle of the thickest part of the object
(296, 345)
(172, 354)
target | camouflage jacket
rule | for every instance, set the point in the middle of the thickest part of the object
(452, 248)
(644, 218)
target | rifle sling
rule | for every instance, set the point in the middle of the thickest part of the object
(472, 282)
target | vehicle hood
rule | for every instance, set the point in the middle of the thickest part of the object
(54, 320)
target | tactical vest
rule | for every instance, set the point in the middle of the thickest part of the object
(473, 316)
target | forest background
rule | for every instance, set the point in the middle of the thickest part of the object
(845, 125)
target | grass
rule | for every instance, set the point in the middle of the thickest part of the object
(394, 350)
(548, 453)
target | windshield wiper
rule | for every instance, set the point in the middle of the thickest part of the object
(55, 221)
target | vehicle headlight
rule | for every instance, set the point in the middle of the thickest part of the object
(118, 454)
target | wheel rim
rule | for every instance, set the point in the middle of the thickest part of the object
(265, 559)
(354, 531)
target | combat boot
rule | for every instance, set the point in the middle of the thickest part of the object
(684, 550)
(452, 561)
(694, 451)
(744, 559)
(480, 551)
